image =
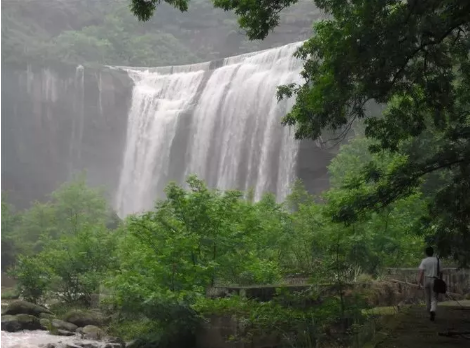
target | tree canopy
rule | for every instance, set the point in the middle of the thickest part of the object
(162, 268)
(413, 57)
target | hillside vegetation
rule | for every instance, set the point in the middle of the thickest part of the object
(106, 32)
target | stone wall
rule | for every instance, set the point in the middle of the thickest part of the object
(458, 280)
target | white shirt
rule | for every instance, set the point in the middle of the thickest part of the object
(429, 266)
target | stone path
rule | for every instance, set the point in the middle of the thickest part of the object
(414, 329)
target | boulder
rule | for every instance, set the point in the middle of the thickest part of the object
(84, 318)
(61, 332)
(91, 332)
(46, 323)
(83, 345)
(20, 322)
(29, 322)
(10, 323)
(24, 307)
(115, 342)
(46, 316)
(63, 325)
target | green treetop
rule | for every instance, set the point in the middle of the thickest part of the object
(413, 57)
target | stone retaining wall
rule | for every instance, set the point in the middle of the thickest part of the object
(458, 280)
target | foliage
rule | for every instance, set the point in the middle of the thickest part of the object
(159, 265)
(409, 55)
(33, 279)
(70, 267)
(11, 294)
(66, 246)
(94, 32)
(195, 238)
(131, 329)
(111, 43)
(9, 246)
(258, 18)
(416, 61)
(390, 232)
(78, 263)
(72, 207)
(294, 317)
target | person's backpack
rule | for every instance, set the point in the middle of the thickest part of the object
(440, 286)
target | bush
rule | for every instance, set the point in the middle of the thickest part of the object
(10, 294)
(364, 278)
(163, 321)
(296, 325)
(70, 268)
(33, 278)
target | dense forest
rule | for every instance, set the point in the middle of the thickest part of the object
(106, 32)
(403, 183)
(156, 267)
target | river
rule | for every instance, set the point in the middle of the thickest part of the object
(35, 339)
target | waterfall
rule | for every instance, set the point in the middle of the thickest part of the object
(219, 120)
(77, 134)
(100, 93)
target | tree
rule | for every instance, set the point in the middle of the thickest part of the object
(72, 207)
(71, 267)
(256, 17)
(410, 55)
(9, 246)
(382, 238)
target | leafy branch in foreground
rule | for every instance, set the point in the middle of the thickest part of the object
(256, 17)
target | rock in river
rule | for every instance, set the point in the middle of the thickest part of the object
(24, 307)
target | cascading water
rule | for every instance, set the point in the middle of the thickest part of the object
(77, 123)
(221, 123)
(43, 339)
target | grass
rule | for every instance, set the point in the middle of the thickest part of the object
(464, 303)
(381, 311)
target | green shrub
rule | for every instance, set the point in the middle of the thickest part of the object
(33, 278)
(10, 294)
(364, 278)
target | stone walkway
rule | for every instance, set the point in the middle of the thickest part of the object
(414, 329)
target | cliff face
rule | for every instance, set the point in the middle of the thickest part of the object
(57, 120)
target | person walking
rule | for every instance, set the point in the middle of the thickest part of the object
(428, 272)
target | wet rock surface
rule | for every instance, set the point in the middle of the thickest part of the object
(20, 322)
(24, 307)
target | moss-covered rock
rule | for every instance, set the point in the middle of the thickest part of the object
(46, 323)
(46, 316)
(24, 307)
(91, 332)
(61, 332)
(10, 323)
(19, 322)
(63, 325)
(83, 318)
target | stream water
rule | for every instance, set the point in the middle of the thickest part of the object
(36, 339)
